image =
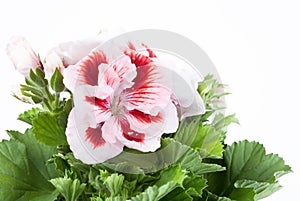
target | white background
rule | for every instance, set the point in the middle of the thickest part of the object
(255, 46)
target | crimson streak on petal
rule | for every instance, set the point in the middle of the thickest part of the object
(145, 118)
(94, 136)
(89, 67)
(137, 58)
(102, 104)
(130, 134)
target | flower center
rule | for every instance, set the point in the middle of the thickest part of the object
(116, 105)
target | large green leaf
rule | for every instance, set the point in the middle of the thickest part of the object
(170, 153)
(48, 129)
(247, 161)
(24, 174)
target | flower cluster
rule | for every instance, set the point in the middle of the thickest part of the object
(126, 96)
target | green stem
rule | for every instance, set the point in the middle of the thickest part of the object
(56, 100)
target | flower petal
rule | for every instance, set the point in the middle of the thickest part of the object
(22, 55)
(166, 121)
(137, 59)
(87, 142)
(85, 72)
(183, 81)
(51, 62)
(110, 130)
(73, 51)
(136, 140)
(92, 100)
(147, 95)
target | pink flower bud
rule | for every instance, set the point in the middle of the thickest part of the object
(22, 55)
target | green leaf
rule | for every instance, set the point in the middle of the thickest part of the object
(47, 129)
(170, 153)
(169, 179)
(38, 77)
(172, 173)
(242, 194)
(56, 81)
(261, 189)
(114, 184)
(29, 115)
(24, 174)
(246, 161)
(192, 188)
(206, 139)
(70, 189)
(221, 122)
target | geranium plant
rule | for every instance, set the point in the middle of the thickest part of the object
(125, 123)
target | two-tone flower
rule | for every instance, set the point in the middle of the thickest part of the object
(129, 100)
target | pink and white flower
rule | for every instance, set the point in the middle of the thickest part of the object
(22, 55)
(69, 53)
(124, 101)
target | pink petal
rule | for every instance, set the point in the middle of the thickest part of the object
(166, 121)
(137, 59)
(85, 72)
(22, 55)
(110, 130)
(183, 81)
(101, 108)
(51, 62)
(135, 140)
(94, 136)
(87, 143)
(92, 100)
(150, 52)
(73, 51)
(147, 94)
(88, 67)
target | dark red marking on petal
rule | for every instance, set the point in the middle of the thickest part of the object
(137, 59)
(131, 46)
(150, 52)
(94, 136)
(129, 134)
(121, 70)
(146, 88)
(102, 104)
(89, 67)
(145, 118)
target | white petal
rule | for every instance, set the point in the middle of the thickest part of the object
(86, 99)
(183, 81)
(22, 55)
(73, 51)
(51, 62)
(82, 148)
(110, 130)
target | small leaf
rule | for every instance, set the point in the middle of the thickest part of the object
(47, 129)
(56, 81)
(29, 115)
(114, 184)
(70, 189)
(261, 189)
(206, 139)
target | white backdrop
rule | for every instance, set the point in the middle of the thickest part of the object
(255, 46)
